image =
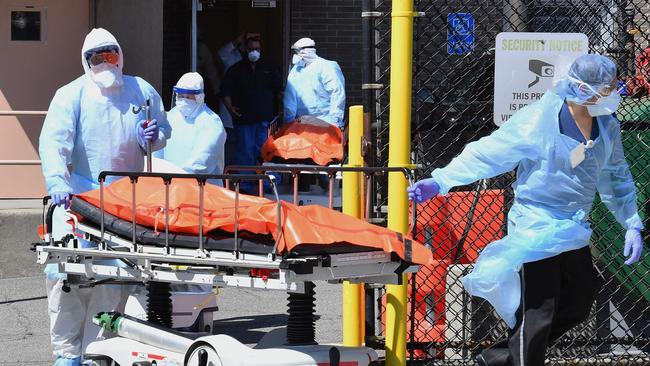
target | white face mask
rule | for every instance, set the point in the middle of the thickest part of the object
(605, 105)
(297, 60)
(186, 106)
(254, 55)
(106, 75)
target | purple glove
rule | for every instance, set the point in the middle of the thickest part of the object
(61, 199)
(423, 190)
(633, 246)
(148, 131)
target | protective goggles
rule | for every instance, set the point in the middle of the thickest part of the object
(618, 87)
(602, 90)
(99, 58)
(297, 50)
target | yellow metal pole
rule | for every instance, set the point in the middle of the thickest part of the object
(353, 320)
(399, 150)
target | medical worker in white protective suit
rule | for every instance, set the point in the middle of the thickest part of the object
(315, 86)
(197, 146)
(89, 128)
(565, 147)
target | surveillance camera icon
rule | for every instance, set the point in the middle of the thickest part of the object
(547, 71)
(541, 69)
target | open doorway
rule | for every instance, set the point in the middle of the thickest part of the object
(220, 21)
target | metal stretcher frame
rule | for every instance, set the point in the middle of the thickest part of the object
(155, 263)
(331, 171)
(201, 180)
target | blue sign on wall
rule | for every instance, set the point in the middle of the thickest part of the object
(460, 33)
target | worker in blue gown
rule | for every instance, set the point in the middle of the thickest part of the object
(565, 147)
(315, 86)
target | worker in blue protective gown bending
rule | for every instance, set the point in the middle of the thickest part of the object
(315, 86)
(566, 147)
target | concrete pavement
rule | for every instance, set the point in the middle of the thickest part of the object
(244, 314)
(24, 337)
(18, 229)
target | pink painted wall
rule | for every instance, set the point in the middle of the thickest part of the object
(30, 73)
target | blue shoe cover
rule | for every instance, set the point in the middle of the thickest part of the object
(63, 361)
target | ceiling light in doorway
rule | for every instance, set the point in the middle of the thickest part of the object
(263, 3)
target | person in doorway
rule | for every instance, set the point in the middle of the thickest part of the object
(566, 147)
(235, 50)
(199, 137)
(251, 90)
(230, 54)
(89, 128)
(315, 86)
(206, 66)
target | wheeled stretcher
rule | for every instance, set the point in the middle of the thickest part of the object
(174, 228)
(307, 140)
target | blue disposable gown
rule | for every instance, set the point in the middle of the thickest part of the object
(86, 132)
(317, 89)
(198, 142)
(552, 199)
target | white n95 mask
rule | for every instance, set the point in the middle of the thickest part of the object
(106, 75)
(254, 55)
(605, 105)
(297, 60)
(186, 106)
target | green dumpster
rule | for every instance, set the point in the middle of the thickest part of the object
(608, 238)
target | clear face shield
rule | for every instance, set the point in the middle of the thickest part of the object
(187, 101)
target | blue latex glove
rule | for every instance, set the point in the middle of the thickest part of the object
(62, 361)
(423, 190)
(148, 132)
(633, 246)
(61, 199)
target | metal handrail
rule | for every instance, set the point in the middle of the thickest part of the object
(23, 113)
(298, 168)
(295, 169)
(20, 162)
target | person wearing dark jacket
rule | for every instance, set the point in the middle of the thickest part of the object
(251, 89)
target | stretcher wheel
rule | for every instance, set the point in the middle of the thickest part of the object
(101, 361)
(202, 354)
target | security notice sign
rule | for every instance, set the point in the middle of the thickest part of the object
(526, 65)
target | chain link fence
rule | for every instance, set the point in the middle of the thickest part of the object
(453, 105)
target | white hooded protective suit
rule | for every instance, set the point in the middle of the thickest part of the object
(315, 86)
(87, 130)
(199, 137)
